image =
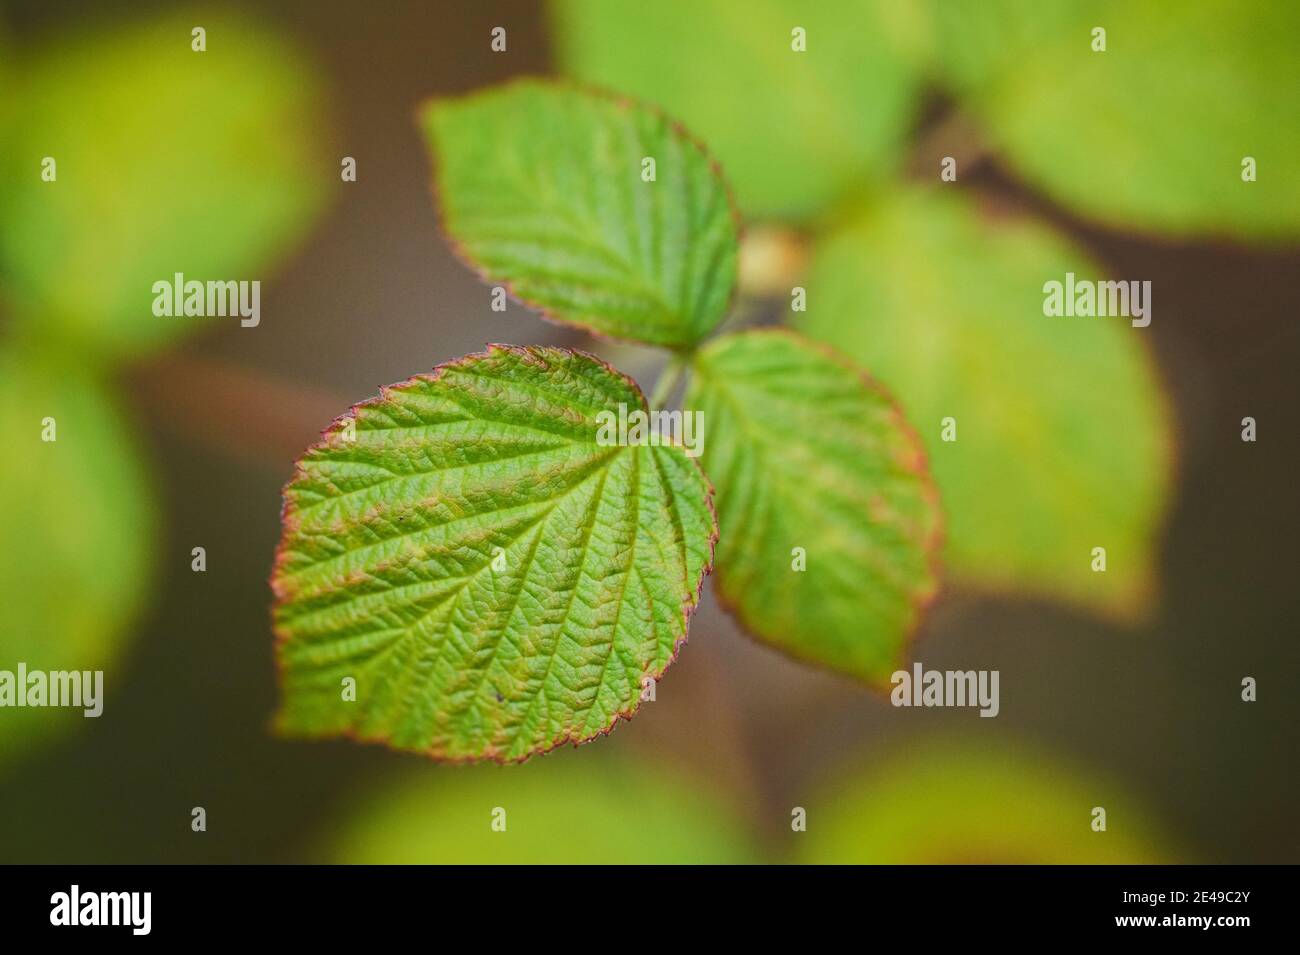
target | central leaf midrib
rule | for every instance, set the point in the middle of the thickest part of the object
(406, 631)
(600, 464)
(302, 510)
(555, 649)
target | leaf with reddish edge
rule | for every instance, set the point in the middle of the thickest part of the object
(812, 459)
(493, 580)
(542, 187)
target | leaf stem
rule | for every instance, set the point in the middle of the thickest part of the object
(666, 382)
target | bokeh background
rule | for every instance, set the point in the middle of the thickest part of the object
(1142, 718)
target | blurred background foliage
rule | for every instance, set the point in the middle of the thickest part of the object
(1148, 134)
(1063, 435)
(165, 161)
(1124, 165)
(151, 139)
(795, 134)
(604, 811)
(1151, 134)
(958, 801)
(77, 521)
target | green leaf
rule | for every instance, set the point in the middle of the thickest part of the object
(494, 580)
(168, 161)
(542, 188)
(806, 452)
(6, 68)
(949, 802)
(76, 530)
(1063, 439)
(1151, 133)
(795, 131)
(558, 812)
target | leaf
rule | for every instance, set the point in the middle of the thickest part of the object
(6, 67)
(1063, 439)
(797, 132)
(541, 187)
(76, 522)
(1151, 133)
(561, 812)
(946, 802)
(207, 164)
(494, 580)
(806, 452)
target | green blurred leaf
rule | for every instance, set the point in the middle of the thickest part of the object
(795, 131)
(168, 161)
(7, 104)
(76, 529)
(6, 68)
(556, 811)
(1063, 439)
(806, 452)
(977, 803)
(541, 186)
(496, 582)
(1150, 134)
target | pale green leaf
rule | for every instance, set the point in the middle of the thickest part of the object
(945, 802)
(168, 161)
(1062, 434)
(795, 131)
(550, 811)
(1150, 134)
(76, 530)
(541, 186)
(806, 452)
(494, 580)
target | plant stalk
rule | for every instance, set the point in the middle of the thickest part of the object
(667, 381)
